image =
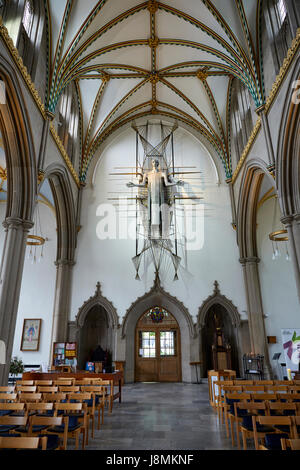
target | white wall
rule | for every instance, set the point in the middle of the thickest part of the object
(37, 290)
(109, 261)
(278, 287)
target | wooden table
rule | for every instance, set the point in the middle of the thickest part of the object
(116, 377)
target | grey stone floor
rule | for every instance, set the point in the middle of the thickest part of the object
(161, 416)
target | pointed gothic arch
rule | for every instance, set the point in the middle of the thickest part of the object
(158, 296)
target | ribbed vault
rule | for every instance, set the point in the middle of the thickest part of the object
(177, 59)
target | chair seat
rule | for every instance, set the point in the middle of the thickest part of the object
(283, 428)
(61, 429)
(247, 424)
(7, 428)
(273, 441)
(35, 428)
(5, 412)
(53, 441)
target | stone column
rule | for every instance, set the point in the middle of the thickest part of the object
(232, 201)
(255, 311)
(293, 228)
(10, 285)
(62, 300)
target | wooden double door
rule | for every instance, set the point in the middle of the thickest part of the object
(157, 352)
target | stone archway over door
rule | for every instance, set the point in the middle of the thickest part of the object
(236, 330)
(158, 296)
(99, 314)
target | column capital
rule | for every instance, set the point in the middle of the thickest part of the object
(64, 262)
(16, 223)
(287, 219)
(249, 260)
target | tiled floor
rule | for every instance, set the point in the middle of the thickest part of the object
(161, 416)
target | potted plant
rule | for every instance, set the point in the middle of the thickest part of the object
(16, 367)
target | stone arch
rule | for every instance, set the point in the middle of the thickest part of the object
(288, 148)
(253, 174)
(19, 148)
(111, 317)
(97, 299)
(65, 210)
(158, 296)
(219, 299)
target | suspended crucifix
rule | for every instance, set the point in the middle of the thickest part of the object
(157, 193)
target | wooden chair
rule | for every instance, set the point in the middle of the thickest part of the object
(23, 443)
(275, 423)
(75, 412)
(109, 396)
(232, 413)
(221, 398)
(89, 399)
(30, 397)
(39, 425)
(293, 444)
(246, 426)
(100, 393)
(9, 424)
(229, 389)
(8, 397)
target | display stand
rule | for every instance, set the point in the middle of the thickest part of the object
(64, 355)
(253, 366)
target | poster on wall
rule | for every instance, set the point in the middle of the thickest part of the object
(31, 334)
(291, 347)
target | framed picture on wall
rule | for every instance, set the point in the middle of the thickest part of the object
(31, 334)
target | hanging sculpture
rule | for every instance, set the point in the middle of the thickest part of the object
(157, 193)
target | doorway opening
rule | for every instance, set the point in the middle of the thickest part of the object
(157, 347)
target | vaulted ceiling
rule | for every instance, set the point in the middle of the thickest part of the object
(176, 58)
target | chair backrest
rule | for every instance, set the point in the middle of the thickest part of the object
(232, 388)
(41, 406)
(14, 406)
(254, 388)
(25, 382)
(69, 388)
(45, 383)
(7, 389)
(82, 382)
(277, 388)
(47, 389)
(243, 382)
(280, 406)
(54, 397)
(6, 397)
(69, 407)
(243, 405)
(26, 388)
(293, 444)
(35, 420)
(23, 442)
(238, 396)
(264, 382)
(294, 389)
(25, 397)
(263, 396)
(63, 381)
(9, 420)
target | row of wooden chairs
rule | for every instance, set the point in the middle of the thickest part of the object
(67, 420)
